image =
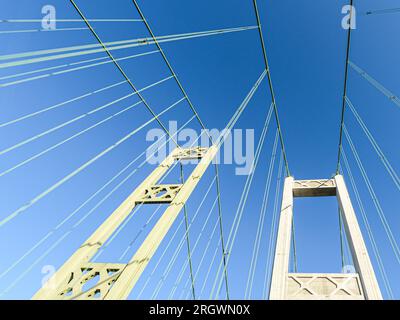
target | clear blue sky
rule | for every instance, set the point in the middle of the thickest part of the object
(306, 49)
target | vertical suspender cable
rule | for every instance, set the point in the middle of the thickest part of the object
(122, 71)
(221, 231)
(188, 239)
(202, 125)
(169, 66)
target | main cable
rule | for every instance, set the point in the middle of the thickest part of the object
(202, 125)
(346, 72)
(123, 72)
(271, 88)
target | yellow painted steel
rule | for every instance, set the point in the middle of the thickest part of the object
(117, 280)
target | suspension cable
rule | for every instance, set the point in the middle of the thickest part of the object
(261, 220)
(271, 88)
(169, 66)
(60, 104)
(62, 142)
(40, 30)
(368, 227)
(81, 220)
(346, 73)
(201, 124)
(174, 258)
(375, 200)
(113, 236)
(160, 259)
(25, 73)
(378, 150)
(155, 116)
(71, 215)
(51, 74)
(188, 238)
(111, 46)
(242, 203)
(183, 239)
(127, 220)
(209, 269)
(205, 251)
(181, 273)
(75, 119)
(222, 137)
(241, 206)
(76, 171)
(383, 11)
(221, 230)
(64, 124)
(122, 256)
(267, 277)
(117, 232)
(173, 237)
(66, 20)
(391, 96)
(180, 246)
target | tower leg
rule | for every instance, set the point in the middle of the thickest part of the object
(125, 283)
(282, 250)
(117, 280)
(356, 242)
(325, 286)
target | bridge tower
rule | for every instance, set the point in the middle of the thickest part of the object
(361, 285)
(116, 280)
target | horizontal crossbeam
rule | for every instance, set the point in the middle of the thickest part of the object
(314, 188)
(160, 193)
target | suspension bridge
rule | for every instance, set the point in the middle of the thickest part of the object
(170, 230)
